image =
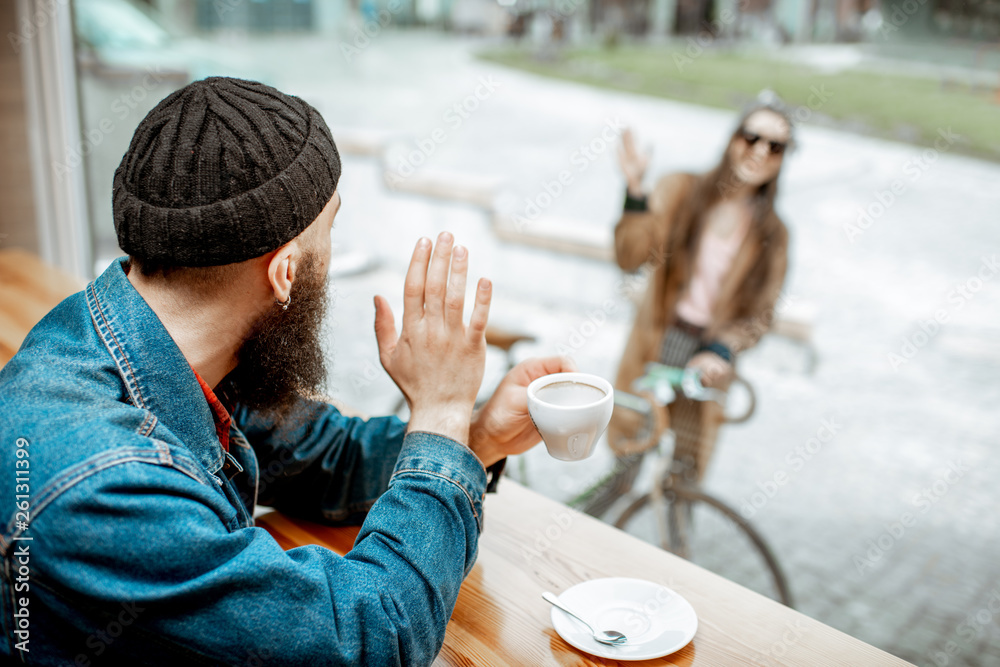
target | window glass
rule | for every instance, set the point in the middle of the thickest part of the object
(868, 464)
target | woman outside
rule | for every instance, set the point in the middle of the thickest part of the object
(717, 253)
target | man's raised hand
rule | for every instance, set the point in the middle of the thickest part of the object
(436, 361)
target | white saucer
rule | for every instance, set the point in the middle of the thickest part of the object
(656, 620)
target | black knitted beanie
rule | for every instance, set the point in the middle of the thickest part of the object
(221, 171)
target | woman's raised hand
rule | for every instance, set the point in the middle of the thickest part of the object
(436, 361)
(633, 163)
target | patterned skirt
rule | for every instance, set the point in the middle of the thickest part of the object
(690, 455)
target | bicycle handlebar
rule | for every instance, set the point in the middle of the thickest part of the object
(661, 380)
(655, 389)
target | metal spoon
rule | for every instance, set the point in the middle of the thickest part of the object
(610, 637)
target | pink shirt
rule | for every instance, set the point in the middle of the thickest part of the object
(715, 258)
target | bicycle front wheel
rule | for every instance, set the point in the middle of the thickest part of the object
(709, 533)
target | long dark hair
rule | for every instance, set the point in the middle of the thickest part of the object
(714, 186)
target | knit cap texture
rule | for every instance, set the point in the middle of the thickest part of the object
(221, 171)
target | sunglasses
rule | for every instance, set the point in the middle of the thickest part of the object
(776, 147)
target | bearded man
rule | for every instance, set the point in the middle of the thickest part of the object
(143, 411)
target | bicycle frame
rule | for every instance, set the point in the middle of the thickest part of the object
(671, 499)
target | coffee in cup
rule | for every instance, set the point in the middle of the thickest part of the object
(567, 393)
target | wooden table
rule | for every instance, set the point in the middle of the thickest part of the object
(531, 544)
(29, 288)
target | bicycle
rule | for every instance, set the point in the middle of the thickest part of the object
(725, 542)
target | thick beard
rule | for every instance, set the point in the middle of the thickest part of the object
(282, 357)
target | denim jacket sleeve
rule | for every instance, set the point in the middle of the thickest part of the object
(325, 466)
(161, 546)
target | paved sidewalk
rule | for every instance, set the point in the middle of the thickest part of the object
(888, 529)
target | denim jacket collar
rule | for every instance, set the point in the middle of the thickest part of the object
(156, 374)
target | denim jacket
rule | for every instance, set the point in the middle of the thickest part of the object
(127, 533)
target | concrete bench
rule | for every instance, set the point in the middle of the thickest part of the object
(478, 190)
(361, 142)
(556, 234)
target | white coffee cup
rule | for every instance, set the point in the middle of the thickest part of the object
(571, 411)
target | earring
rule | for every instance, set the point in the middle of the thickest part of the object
(284, 305)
